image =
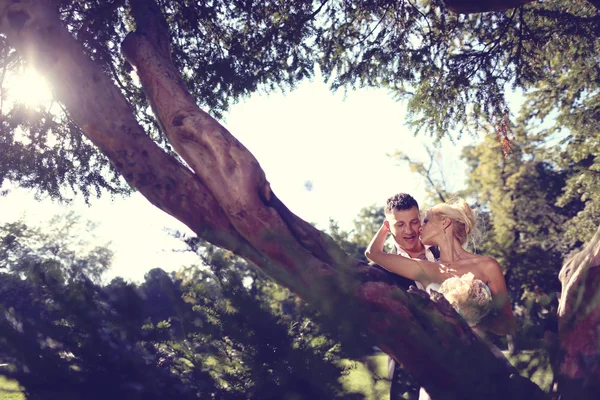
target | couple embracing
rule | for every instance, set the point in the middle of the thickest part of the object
(431, 251)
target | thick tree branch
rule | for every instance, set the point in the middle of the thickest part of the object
(223, 164)
(478, 6)
(578, 322)
(595, 3)
(107, 119)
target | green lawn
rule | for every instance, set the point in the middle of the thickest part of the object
(10, 390)
(535, 366)
(372, 384)
(360, 380)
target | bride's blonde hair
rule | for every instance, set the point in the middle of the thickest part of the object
(464, 219)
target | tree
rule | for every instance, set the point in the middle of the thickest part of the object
(523, 230)
(366, 224)
(70, 339)
(260, 346)
(224, 196)
(204, 333)
(67, 244)
(470, 6)
(432, 171)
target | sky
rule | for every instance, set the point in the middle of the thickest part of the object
(325, 155)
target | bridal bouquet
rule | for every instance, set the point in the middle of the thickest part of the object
(470, 297)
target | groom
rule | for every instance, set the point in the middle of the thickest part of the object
(403, 220)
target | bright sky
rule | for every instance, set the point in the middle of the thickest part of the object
(339, 143)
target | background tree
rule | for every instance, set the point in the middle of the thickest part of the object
(202, 332)
(432, 171)
(260, 344)
(68, 243)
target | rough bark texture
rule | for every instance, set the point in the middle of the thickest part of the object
(595, 3)
(228, 201)
(478, 6)
(579, 324)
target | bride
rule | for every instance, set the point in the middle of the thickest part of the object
(472, 283)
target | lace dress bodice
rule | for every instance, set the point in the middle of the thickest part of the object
(470, 297)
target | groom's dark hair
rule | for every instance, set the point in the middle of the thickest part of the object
(400, 202)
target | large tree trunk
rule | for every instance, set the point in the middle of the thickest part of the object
(478, 6)
(578, 366)
(228, 201)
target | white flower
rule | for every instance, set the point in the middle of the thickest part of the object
(470, 297)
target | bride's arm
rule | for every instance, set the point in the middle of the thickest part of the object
(503, 322)
(403, 266)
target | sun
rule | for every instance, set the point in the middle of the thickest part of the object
(29, 88)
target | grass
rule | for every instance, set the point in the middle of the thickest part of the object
(368, 378)
(534, 365)
(360, 379)
(10, 390)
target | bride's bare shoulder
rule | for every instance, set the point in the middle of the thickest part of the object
(491, 269)
(487, 262)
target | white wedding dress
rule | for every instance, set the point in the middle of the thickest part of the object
(470, 297)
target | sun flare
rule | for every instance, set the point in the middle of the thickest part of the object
(30, 89)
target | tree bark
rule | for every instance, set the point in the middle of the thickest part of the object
(578, 366)
(595, 3)
(226, 199)
(478, 6)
